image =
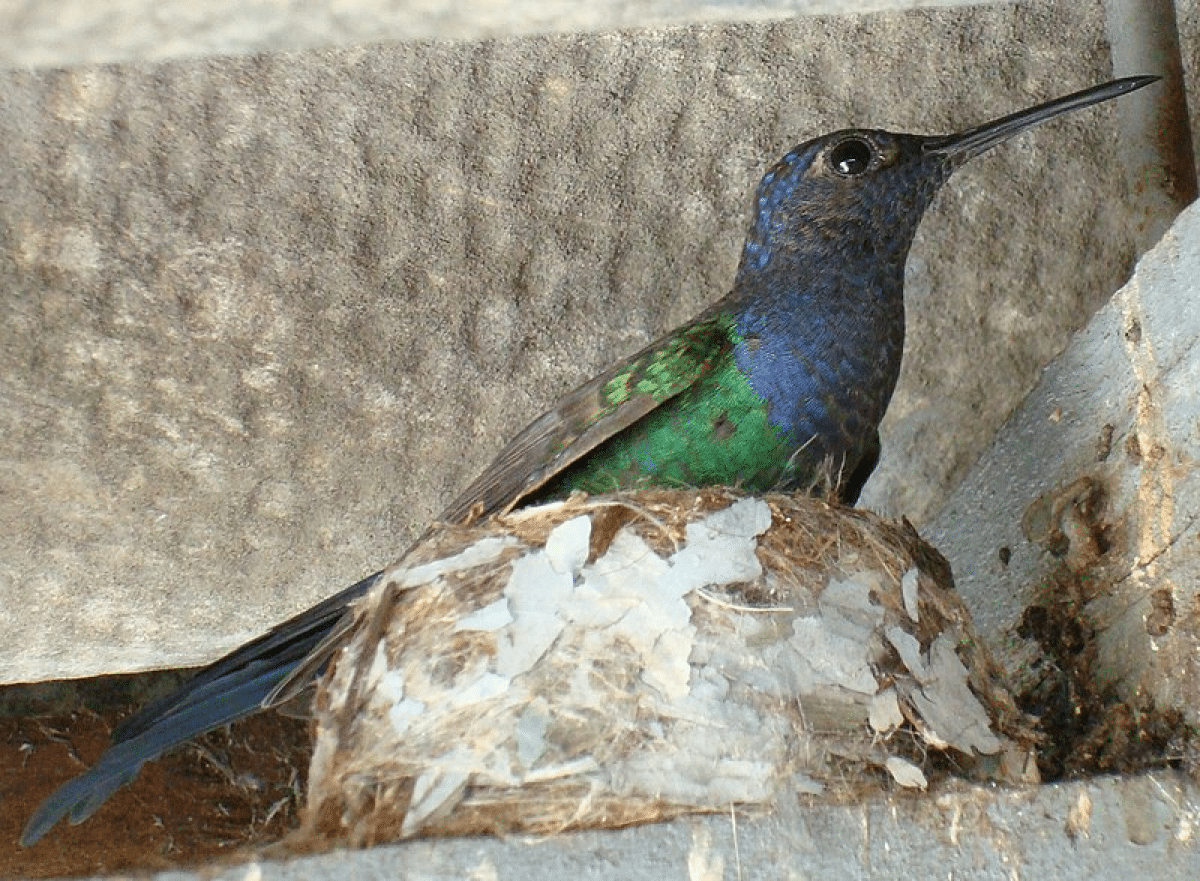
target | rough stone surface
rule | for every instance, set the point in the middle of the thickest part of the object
(66, 32)
(1091, 491)
(1143, 827)
(263, 315)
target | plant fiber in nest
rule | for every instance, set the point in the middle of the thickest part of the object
(614, 660)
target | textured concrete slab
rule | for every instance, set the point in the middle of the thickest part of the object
(1074, 538)
(1143, 827)
(263, 315)
(42, 33)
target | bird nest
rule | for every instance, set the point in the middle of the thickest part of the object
(616, 660)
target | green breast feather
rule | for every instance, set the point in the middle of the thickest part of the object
(678, 413)
(712, 432)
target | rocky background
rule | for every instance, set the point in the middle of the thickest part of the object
(264, 314)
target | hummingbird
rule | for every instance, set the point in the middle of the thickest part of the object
(779, 385)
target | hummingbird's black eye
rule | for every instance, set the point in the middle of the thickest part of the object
(852, 156)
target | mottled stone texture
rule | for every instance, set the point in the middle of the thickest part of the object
(62, 32)
(1093, 605)
(264, 315)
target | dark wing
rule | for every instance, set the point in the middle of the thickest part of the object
(580, 422)
(593, 413)
(273, 667)
(230, 688)
(282, 645)
(852, 487)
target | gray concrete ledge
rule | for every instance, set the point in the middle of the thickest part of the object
(63, 33)
(1107, 829)
(1085, 512)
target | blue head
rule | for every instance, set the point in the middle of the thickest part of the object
(860, 194)
(850, 200)
(818, 300)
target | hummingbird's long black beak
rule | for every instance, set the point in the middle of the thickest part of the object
(966, 145)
